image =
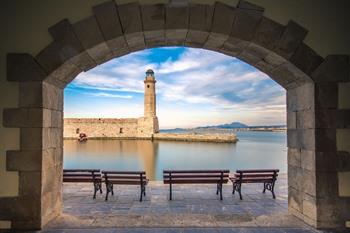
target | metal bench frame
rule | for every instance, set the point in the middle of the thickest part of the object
(184, 177)
(125, 178)
(82, 176)
(268, 178)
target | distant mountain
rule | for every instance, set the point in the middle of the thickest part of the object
(233, 125)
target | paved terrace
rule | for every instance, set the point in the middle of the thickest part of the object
(194, 208)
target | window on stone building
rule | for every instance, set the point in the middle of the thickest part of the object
(77, 130)
(147, 86)
(121, 130)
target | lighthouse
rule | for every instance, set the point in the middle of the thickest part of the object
(148, 124)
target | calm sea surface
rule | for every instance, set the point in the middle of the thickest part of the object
(253, 150)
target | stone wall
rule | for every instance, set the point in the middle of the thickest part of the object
(196, 137)
(100, 127)
(142, 127)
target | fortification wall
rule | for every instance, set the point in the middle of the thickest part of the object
(101, 127)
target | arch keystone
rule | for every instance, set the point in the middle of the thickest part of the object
(153, 20)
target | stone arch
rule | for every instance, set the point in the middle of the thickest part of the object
(115, 30)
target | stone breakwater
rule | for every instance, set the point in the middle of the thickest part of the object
(228, 138)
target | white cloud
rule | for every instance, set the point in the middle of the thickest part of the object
(104, 94)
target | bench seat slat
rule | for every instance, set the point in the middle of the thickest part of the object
(193, 181)
(81, 170)
(124, 172)
(175, 176)
(257, 170)
(195, 171)
(125, 177)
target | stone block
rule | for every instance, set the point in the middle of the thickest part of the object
(291, 120)
(153, 19)
(344, 95)
(295, 176)
(335, 68)
(52, 97)
(29, 183)
(30, 94)
(327, 186)
(326, 95)
(201, 17)
(287, 75)
(22, 67)
(52, 157)
(295, 199)
(343, 136)
(51, 179)
(130, 18)
(343, 161)
(215, 41)
(304, 97)
(31, 138)
(326, 140)
(196, 38)
(329, 215)
(290, 40)
(307, 139)
(56, 120)
(63, 34)
(306, 119)
(326, 118)
(222, 19)
(253, 53)
(292, 101)
(249, 6)
(326, 161)
(268, 32)
(90, 36)
(294, 157)
(24, 160)
(108, 20)
(309, 182)
(292, 138)
(233, 46)
(245, 23)
(23, 117)
(344, 186)
(52, 138)
(309, 206)
(176, 17)
(308, 160)
(176, 24)
(306, 59)
(51, 57)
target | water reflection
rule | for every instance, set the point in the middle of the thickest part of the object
(264, 150)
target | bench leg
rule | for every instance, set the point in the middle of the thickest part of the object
(109, 189)
(264, 188)
(219, 190)
(171, 193)
(233, 188)
(238, 188)
(273, 190)
(143, 191)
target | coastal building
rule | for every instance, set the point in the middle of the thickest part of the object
(123, 128)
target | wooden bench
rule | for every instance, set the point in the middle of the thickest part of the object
(218, 177)
(125, 178)
(84, 176)
(267, 177)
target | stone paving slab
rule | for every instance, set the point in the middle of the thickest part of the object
(194, 208)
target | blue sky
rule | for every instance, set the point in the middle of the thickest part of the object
(195, 87)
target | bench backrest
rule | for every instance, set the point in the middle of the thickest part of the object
(257, 174)
(195, 176)
(81, 175)
(124, 177)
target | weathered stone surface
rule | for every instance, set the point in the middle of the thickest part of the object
(291, 120)
(108, 20)
(253, 53)
(308, 160)
(306, 119)
(290, 40)
(335, 68)
(295, 199)
(343, 118)
(326, 161)
(196, 38)
(51, 57)
(31, 138)
(249, 6)
(306, 59)
(306, 138)
(343, 161)
(326, 95)
(201, 17)
(215, 41)
(176, 24)
(292, 138)
(23, 160)
(294, 157)
(308, 181)
(303, 96)
(309, 206)
(130, 18)
(288, 76)
(268, 32)
(326, 140)
(90, 36)
(232, 46)
(22, 117)
(222, 19)
(30, 183)
(245, 23)
(325, 118)
(23, 67)
(153, 19)
(52, 97)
